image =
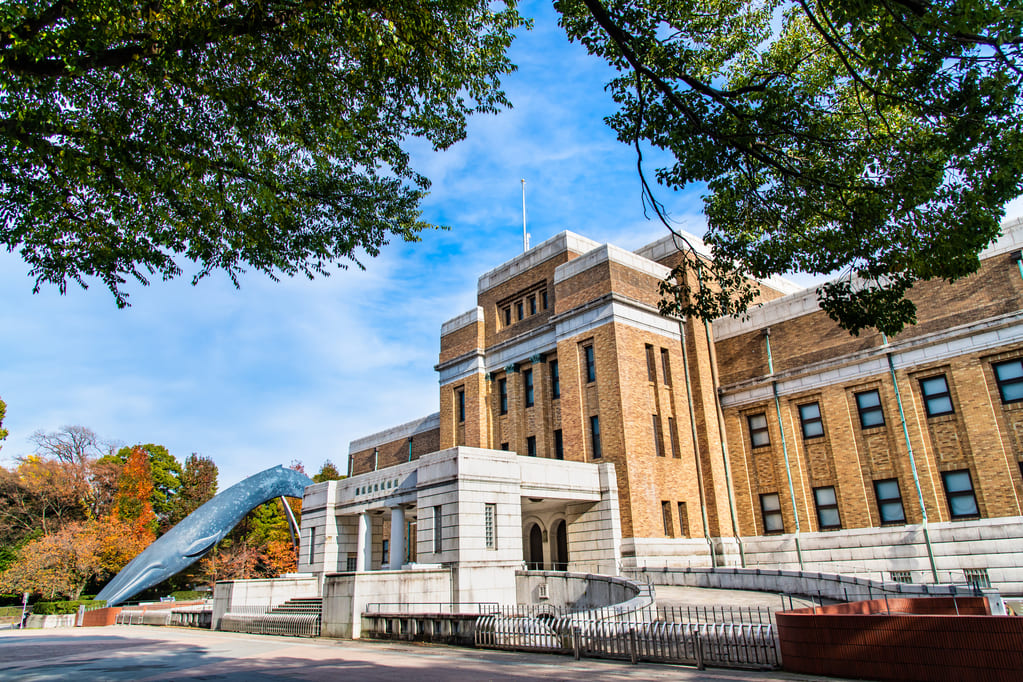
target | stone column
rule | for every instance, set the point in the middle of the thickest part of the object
(364, 543)
(397, 538)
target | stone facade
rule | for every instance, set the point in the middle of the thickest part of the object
(729, 438)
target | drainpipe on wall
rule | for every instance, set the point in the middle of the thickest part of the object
(784, 445)
(696, 445)
(724, 445)
(376, 457)
(912, 460)
(410, 448)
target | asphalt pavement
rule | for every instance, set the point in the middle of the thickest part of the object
(143, 654)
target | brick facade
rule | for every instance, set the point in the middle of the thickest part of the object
(675, 402)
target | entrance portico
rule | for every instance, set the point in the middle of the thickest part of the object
(467, 509)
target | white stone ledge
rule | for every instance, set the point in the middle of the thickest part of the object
(558, 244)
(609, 253)
(463, 320)
(416, 426)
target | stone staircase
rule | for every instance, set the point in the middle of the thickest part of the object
(300, 617)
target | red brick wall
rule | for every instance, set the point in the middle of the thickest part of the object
(100, 617)
(903, 639)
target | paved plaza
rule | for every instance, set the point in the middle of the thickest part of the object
(142, 653)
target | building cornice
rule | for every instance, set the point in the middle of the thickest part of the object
(988, 334)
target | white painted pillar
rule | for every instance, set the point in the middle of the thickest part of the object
(397, 538)
(364, 543)
(330, 532)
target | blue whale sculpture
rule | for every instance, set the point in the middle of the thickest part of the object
(189, 540)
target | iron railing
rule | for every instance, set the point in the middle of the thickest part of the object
(700, 637)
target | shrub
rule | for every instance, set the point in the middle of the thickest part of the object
(189, 595)
(52, 608)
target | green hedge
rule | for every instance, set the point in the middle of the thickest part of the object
(189, 595)
(10, 611)
(53, 608)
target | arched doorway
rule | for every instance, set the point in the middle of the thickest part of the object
(560, 546)
(535, 559)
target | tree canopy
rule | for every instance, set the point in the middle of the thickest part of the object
(879, 140)
(262, 134)
(3, 413)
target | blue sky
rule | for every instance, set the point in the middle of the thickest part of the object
(275, 372)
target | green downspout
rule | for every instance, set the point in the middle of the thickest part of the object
(724, 448)
(912, 460)
(784, 445)
(696, 445)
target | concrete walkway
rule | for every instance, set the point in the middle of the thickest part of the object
(673, 595)
(142, 654)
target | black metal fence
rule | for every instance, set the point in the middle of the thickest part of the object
(725, 637)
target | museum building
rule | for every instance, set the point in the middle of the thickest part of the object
(579, 429)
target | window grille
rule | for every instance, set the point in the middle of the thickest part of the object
(902, 577)
(438, 529)
(489, 529)
(977, 577)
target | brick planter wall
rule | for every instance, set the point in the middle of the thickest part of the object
(100, 617)
(903, 639)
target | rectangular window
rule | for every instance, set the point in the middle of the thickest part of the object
(651, 367)
(543, 299)
(507, 316)
(527, 386)
(759, 436)
(962, 503)
(810, 420)
(889, 501)
(504, 446)
(351, 564)
(438, 529)
(532, 305)
(937, 399)
(489, 525)
(905, 577)
(312, 544)
(674, 438)
(385, 553)
(591, 365)
(520, 310)
(559, 445)
(461, 405)
(502, 392)
(666, 366)
(658, 439)
(770, 512)
(827, 507)
(531, 446)
(1009, 376)
(595, 436)
(868, 404)
(669, 529)
(683, 519)
(555, 380)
